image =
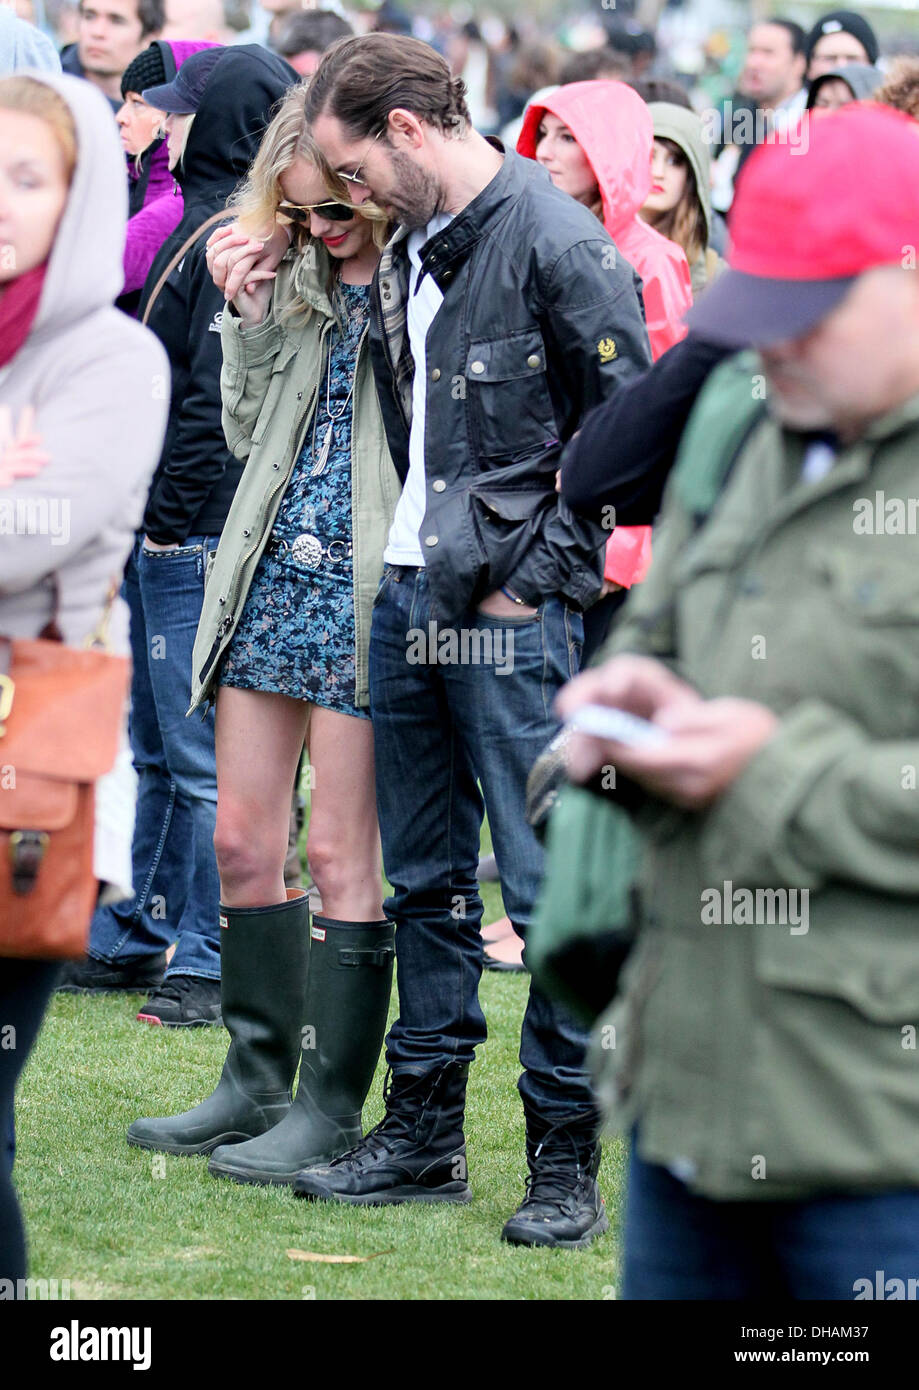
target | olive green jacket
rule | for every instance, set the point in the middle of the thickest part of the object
(777, 1059)
(269, 384)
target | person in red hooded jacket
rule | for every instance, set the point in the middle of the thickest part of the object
(596, 140)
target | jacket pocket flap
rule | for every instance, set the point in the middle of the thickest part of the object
(288, 349)
(869, 587)
(37, 803)
(506, 359)
(878, 977)
(514, 506)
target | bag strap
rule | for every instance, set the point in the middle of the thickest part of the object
(185, 247)
(51, 631)
(99, 637)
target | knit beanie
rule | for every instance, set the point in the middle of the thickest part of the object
(846, 22)
(146, 70)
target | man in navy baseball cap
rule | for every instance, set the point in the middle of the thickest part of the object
(182, 96)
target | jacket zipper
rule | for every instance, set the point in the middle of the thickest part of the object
(300, 430)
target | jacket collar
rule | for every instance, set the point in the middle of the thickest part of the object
(475, 220)
(854, 464)
(902, 416)
(310, 279)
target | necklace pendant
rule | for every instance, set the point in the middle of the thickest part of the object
(323, 455)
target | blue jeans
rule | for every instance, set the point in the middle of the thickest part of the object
(441, 730)
(176, 885)
(680, 1246)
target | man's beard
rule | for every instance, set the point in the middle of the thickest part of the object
(417, 192)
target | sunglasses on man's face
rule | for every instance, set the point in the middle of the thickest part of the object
(333, 212)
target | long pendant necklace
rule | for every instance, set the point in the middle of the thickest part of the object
(322, 458)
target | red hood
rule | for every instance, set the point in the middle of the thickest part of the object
(614, 128)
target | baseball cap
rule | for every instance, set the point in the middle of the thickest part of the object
(182, 96)
(806, 223)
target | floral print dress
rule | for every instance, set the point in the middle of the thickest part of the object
(296, 633)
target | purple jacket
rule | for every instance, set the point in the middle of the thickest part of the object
(163, 206)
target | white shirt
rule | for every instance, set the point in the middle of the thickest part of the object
(403, 547)
(819, 458)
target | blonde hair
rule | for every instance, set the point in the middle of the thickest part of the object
(901, 86)
(185, 134)
(287, 139)
(34, 98)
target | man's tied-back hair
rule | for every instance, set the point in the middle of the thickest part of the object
(360, 80)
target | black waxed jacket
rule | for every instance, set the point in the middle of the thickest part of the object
(541, 319)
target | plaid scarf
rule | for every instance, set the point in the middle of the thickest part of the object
(393, 278)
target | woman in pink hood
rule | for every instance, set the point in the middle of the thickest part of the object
(596, 140)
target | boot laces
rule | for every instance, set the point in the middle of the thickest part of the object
(554, 1178)
(401, 1121)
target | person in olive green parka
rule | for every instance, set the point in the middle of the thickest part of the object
(763, 1045)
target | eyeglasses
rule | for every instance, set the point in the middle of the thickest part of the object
(300, 213)
(356, 176)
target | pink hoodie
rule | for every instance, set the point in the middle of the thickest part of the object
(614, 128)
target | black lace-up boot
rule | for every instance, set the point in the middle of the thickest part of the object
(563, 1206)
(417, 1153)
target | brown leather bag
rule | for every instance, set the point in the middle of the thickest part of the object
(60, 719)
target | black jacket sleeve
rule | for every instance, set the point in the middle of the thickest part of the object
(625, 448)
(187, 319)
(593, 323)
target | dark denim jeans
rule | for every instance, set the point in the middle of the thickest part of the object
(176, 885)
(444, 723)
(25, 988)
(681, 1246)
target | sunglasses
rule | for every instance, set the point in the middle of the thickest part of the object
(356, 176)
(333, 212)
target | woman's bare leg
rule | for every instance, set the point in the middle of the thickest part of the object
(343, 842)
(258, 739)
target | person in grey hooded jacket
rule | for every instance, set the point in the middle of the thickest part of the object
(851, 82)
(77, 380)
(24, 46)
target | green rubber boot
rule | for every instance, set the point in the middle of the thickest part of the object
(350, 981)
(264, 965)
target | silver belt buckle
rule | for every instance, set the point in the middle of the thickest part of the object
(307, 550)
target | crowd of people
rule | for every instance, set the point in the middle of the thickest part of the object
(442, 369)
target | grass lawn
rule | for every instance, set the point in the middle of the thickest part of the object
(123, 1223)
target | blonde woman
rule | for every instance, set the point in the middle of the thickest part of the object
(282, 650)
